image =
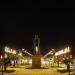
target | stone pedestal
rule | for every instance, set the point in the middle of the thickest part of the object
(36, 61)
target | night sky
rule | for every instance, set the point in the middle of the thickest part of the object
(53, 21)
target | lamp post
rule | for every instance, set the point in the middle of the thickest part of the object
(68, 59)
(68, 48)
(5, 61)
(53, 56)
(2, 63)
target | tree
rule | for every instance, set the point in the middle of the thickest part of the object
(6, 62)
(67, 62)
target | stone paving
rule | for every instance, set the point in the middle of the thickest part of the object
(23, 71)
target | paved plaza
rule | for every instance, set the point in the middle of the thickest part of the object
(24, 71)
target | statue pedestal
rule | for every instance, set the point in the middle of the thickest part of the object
(36, 61)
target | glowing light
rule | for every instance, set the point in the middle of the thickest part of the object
(43, 62)
(1, 57)
(52, 49)
(11, 50)
(6, 56)
(26, 60)
(12, 62)
(47, 62)
(30, 62)
(36, 49)
(23, 49)
(66, 50)
(27, 52)
(49, 53)
(20, 54)
(8, 50)
(14, 52)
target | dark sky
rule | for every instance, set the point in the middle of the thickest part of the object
(53, 20)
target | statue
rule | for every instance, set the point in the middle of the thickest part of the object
(36, 59)
(36, 42)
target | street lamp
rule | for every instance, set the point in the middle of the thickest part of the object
(2, 63)
(6, 56)
(5, 61)
(53, 51)
(20, 54)
(68, 48)
(1, 57)
(23, 49)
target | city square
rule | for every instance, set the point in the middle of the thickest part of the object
(37, 37)
(22, 62)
